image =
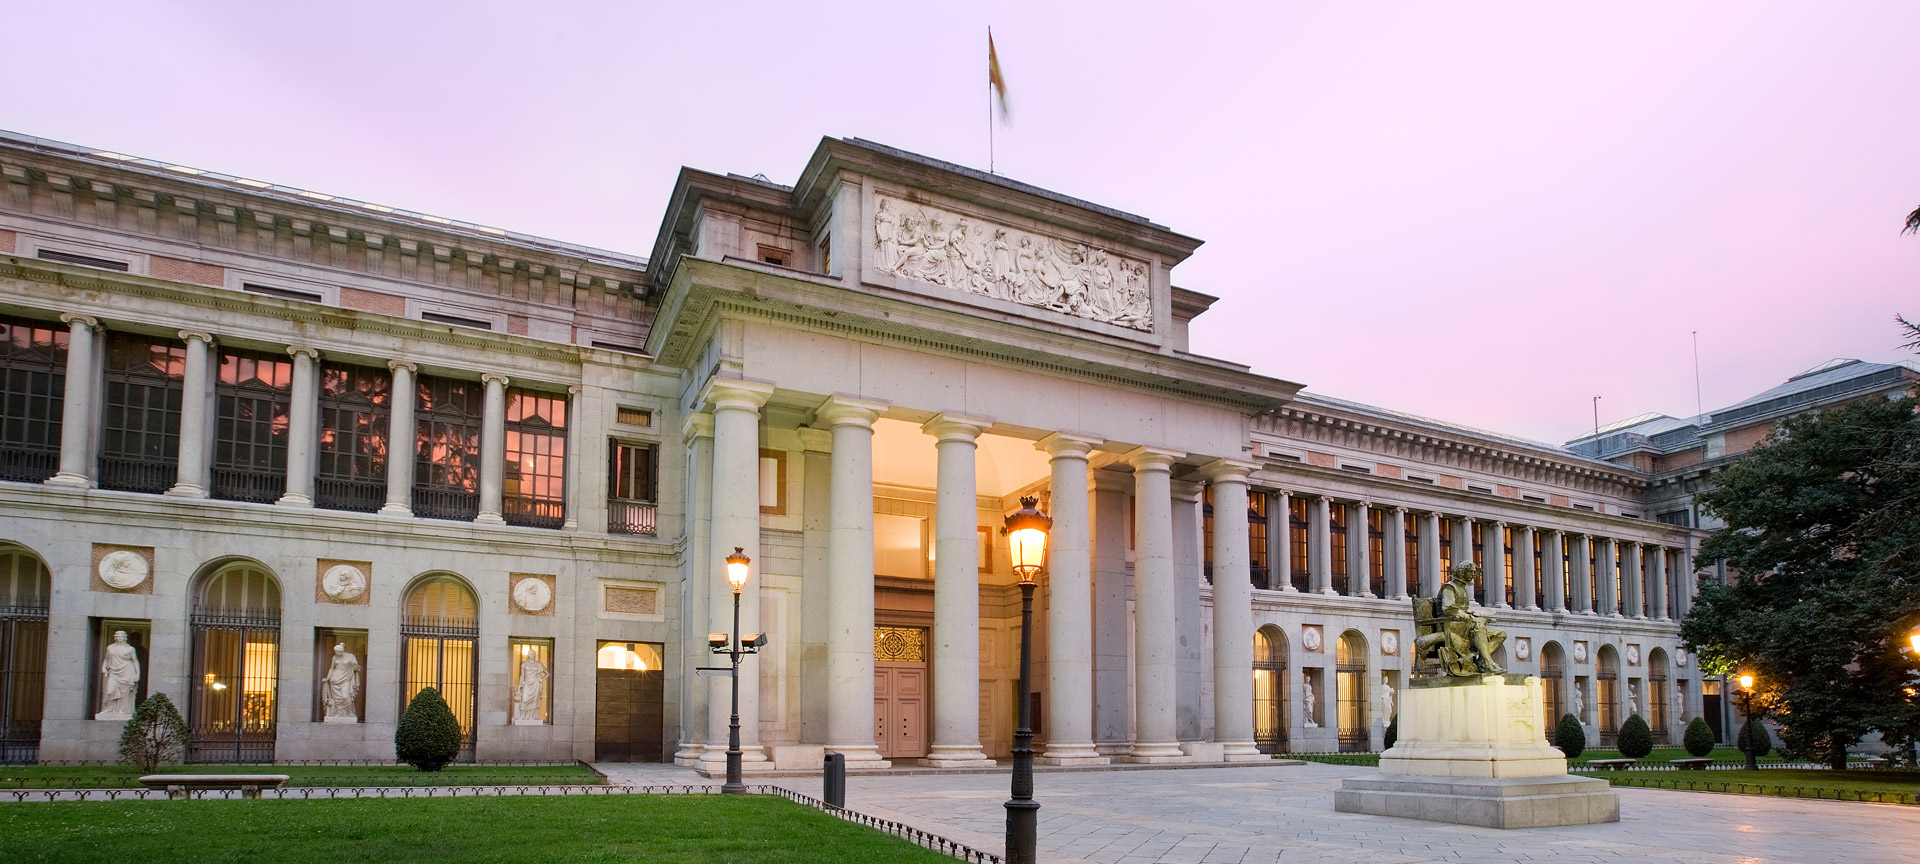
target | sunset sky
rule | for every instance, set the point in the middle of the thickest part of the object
(1485, 213)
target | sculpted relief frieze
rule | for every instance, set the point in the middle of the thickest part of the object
(940, 247)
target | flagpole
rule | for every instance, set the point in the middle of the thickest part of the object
(990, 107)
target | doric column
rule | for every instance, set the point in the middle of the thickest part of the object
(1155, 595)
(1069, 716)
(956, 596)
(1609, 562)
(696, 433)
(570, 497)
(1359, 549)
(1320, 545)
(76, 420)
(1111, 493)
(1635, 579)
(1395, 549)
(735, 404)
(1555, 577)
(1232, 611)
(1493, 551)
(400, 441)
(192, 478)
(1463, 546)
(1430, 575)
(303, 428)
(1582, 575)
(1689, 581)
(1657, 589)
(1523, 593)
(1280, 541)
(850, 579)
(493, 450)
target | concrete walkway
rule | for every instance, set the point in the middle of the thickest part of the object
(1264, 814)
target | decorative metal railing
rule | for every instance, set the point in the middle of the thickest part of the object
(533, 512)
(348, 493)
(441, 503)
(242, 484)
(28, 465)
(136, 475)
(631, 517)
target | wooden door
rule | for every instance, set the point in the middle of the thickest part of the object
(628, 714)
(900, 709)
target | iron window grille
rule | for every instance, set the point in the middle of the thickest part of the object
(439, 636)
(535, 489)
(446, 476)
(33, 379)
(254, 399)
(236, 666)
(140, 416)
(632, 475)
(24, 588)
(355, 407)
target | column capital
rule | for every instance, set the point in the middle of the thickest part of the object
(1499, 523)
(735, 393)
(955, 427)
(574, 389)
(840, 410)
(397, 365)
(495, 378)
(817, 440)
(72, 318)
(698, 424)
(1152, 458)
(202, 335)
(1185, 490)
(296, 351)
(1228, 470)
(1400, 509)
(1067, 445)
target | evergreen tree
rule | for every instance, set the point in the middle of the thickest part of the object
(1699, 737)
(1570, 736)
(154, 736)
(1393, 732)
(1755, 730)
(1636, 738)
(428, 736)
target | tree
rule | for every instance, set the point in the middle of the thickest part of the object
(1913, 222)
(1393, 733)
(1570, 736)
(1755, 731)
(154, 736)
(1636, 738)
(1823, 531)
(428, 736)
(1698, 738)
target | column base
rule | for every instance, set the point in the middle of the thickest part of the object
(70, 481)
(186, 490)
(861, 757)
(1241, 751)
(295, 499)
(1156, 753)
(486, 518)
(397, 511)
(1081, 753)
(956, 756)
(570, 525)
(1329, 592)
(1532, 608)
(689, 754)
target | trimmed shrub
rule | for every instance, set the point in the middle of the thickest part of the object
(1570, 736)
(154, 736)
(1393, 732)
(1762, 739)
(1699, 737)
(428, 736)
(1636, 738)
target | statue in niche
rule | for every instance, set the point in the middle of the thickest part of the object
(1386, 703)
(341, 695)
(1579, 706)
(1447, 627)
(119, 679)
(1306, 695)
(1633, 700)
(529, 695)
(1680, 700)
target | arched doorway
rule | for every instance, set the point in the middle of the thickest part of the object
(1657, 696)
(1552, 667)
(439, 636)
(24, 586)
(236, 664)
(1350, 683)
(1270, 690)
(1608, 697)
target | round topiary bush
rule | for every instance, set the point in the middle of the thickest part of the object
(1393, 733)
(154, 736)
(428, 736)
(1570, 736)
(1636, 738)
(1762, 739)
(1699, 737)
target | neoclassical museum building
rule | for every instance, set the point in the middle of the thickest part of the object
(310, 455)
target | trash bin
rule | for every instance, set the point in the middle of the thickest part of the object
(836, 777)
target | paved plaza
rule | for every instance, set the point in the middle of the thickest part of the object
(1285, 814)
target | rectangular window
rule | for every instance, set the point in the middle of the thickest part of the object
(773, 482)
(446, 463)
(1411, 524)
(632, 472)
(530, 693)
(1257, 539)
(633, 416)
(775, 255)
(82, 260)
(1376, 552)
(1480, 489)
(254, 400)
(535, 491)
(140, 412)
(1297, 541)
(355, 404)
(1206, 533)
(1506, 557)
(456, 320)
(1337, 535)
(33, 384)
(283, 293)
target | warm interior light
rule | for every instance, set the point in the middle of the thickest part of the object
(1026, 532)
(1915, 639)
(1746, 682)
(737, 568)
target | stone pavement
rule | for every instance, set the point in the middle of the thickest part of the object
(1247, 815)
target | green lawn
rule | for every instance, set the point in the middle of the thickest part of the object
(1664, 755)
(123, 776)
(1882, 785)
(707, 829)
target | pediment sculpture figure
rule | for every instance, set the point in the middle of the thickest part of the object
(1446, 627)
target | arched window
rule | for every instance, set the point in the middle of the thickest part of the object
(1350, 681)
(24, 586)
(236, 665)
(1657, 694)
(1608, 697)
(439, 629)
(1270, 690)
(1552, 668)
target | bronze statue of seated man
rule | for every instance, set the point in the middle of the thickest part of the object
(1464, 641)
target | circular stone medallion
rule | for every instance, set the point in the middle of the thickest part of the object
(1633, 655)
(1310, 637)
(122, 570)
(1579, 652)
(1389, 642)
(532, 595)
(1522, 649)
(344, 583)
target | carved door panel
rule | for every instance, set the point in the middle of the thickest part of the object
(900, 709)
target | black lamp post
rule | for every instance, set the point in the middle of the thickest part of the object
(735, 646)
(1026, 531)
(1746, 711)
(1914, 638)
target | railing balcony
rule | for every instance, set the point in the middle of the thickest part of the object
(136, 475)
(438, 502)
(349, 493)
(28, 465)
(242, 484)
(625, 516)
(533, 512)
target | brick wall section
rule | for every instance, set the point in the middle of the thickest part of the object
(1390, 471)
(1324, 460)
(1742, 440)
(1682, 459)
(1505, 491)
(517, 325)
(373, 301)
(1559, 500)
(176, 270)
(1452, 482)
(6, 242)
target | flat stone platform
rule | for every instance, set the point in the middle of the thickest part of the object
(1506, 802)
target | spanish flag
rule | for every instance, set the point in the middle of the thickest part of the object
(994, 80)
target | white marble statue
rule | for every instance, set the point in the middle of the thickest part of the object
(1306, 695)
(341, 695)
(1386, 704)
(1633, 701)
(528, 695)
(119, 679)
(1579, 707)
(1680, 701)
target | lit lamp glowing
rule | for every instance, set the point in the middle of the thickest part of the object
(737, 569)
(722, 643)
(1752, 728)
(1914, 638)
(1026, 531)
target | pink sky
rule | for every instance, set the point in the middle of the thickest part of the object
(1486, 213)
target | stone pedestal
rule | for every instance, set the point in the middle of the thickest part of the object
(1473, 751)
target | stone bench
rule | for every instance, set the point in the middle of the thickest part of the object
(1691, 764)
(1611, 764)
(179, 786)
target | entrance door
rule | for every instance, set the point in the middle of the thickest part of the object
(629, 702)
(900, 709)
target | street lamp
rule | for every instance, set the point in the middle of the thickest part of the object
(736, 646)
(1026, 531)
(1746, 711)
